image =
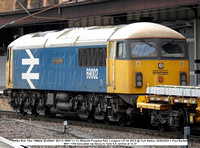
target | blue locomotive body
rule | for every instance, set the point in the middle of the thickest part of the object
(56, 69)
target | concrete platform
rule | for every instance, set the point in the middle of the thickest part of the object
(5, 143)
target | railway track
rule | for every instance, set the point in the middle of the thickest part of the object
(60, 119)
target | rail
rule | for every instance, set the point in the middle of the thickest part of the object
(59, 119)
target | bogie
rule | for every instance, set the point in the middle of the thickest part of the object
(103, 107)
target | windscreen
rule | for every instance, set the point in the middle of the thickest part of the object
(143, 48)
(157, 48)
(172, 48)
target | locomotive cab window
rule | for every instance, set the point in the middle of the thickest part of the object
(172, 48)
(112, 50)
(121, 51)
(142, 48)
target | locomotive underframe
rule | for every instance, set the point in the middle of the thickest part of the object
(105, 107)
(169, 118)
(170, 111)
(87, 106)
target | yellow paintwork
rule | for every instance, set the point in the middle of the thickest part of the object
(155, 106)
(7, 74)
(124, 74)
(194, 118)
(197, 119)
(110, 63)
(143, 99)
(191, 118)
(170, 100)
(198, 106)
(144, 102)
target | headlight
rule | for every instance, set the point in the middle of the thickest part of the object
(160, 65)
(183, 79)
(138, 79)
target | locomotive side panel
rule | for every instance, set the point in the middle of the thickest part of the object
(55, 69)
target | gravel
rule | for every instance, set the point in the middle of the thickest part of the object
(20, 129)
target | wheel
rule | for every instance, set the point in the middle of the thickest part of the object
(162, 127)
(106, 121)
(91, 117)
(47, 112)
(22, 111)
(184, 120)
(34, 112)
(122, 122)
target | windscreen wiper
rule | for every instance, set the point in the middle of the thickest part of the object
(147, 43)
(169, 41)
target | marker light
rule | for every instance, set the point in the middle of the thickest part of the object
(183, 79)
(138, 77)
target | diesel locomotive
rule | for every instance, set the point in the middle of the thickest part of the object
(94, 72)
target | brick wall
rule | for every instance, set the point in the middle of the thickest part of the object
(12, 5)
(46, 3)
(7, 5)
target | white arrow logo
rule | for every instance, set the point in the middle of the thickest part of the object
(28, 75)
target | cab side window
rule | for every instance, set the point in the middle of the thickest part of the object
(121, 51)
(111, 50)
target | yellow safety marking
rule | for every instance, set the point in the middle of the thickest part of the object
(191, 118)
(154, 106)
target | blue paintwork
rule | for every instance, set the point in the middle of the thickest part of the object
(68, 76)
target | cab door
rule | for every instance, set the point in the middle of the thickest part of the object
(9, 69)
(111, 66)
